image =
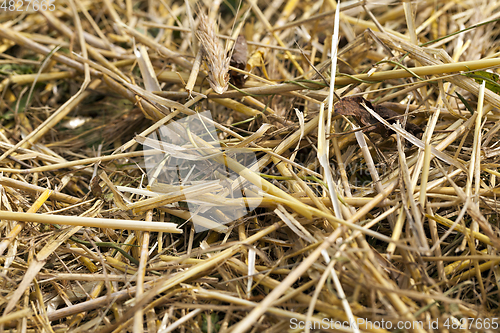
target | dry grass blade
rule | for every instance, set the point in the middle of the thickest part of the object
(19, 227)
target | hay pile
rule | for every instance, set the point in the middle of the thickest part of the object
(381, 210)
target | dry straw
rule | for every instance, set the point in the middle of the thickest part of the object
(350, 224)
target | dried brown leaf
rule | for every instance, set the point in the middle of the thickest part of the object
(239, 60)
(95, 187)
(351, 106)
